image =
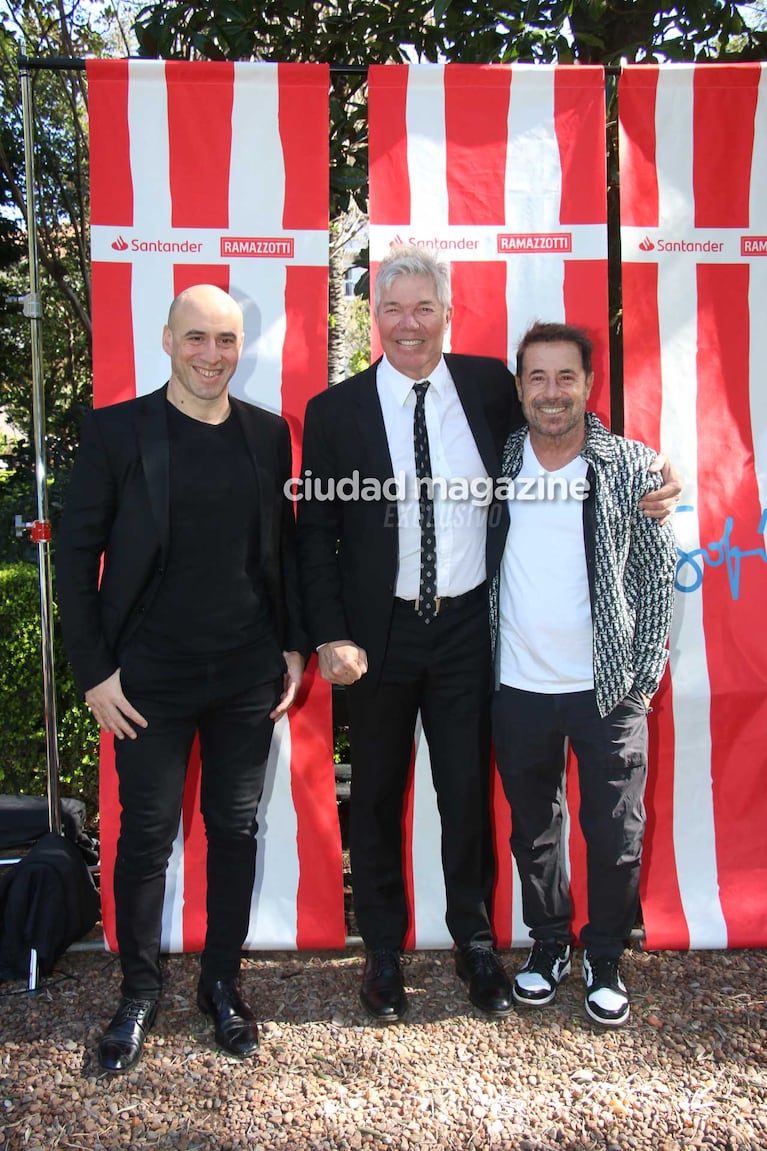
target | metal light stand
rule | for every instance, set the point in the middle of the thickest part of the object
(40, 529)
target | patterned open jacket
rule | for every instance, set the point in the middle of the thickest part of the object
(630, 559)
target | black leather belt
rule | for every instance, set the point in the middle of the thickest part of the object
(450, 602)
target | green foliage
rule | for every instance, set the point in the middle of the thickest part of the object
(23, 768)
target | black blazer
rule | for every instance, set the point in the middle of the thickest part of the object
(117, 506)
(348, 549)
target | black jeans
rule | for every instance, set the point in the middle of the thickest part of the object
(179, 701)
(529, 730)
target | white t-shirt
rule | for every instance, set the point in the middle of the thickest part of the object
(545, 633)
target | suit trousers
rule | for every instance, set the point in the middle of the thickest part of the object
(180, 700)
(443, 670)
(529, 731)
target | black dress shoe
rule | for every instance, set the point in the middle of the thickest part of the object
(123, 1041)
(234, 1022)
(489, 985)
(383, 988)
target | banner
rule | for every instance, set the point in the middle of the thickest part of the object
(500, 171)
(693, 153)
(218, 173)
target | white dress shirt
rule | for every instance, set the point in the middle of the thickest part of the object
(460, 523)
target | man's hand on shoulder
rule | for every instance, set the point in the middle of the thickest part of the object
(291, 681)
(111, 709)
(659, 505)
(342, 662)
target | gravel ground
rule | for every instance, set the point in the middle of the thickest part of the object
(688, 1071)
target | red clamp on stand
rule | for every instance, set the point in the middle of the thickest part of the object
(40, 531)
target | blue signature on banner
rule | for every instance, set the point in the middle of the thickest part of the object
(691, 565)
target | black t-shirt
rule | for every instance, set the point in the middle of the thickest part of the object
(211, 600)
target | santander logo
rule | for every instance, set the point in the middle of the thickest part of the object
(647, 245)
(120, 245)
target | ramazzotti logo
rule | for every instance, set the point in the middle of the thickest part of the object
(511, 243)
(753, 245)
(258, 246)
(647, 245)
(120, 245)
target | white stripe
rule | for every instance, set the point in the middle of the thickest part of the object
(674, 147)
(534, 286)
(465, 243)
(156, 242)
(758, 295)
(274, 906)
(260, 291)
(172, 936)
(257, 172)
(426, 145)
(533, 170)
(151, 294)
(149, 151)
(428, 881)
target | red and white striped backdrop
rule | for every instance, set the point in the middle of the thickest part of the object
(693, 156)
(501, 171)
(218, 173)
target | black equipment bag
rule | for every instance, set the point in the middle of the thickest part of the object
(47, 901)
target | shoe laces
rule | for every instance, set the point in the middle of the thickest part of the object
(385, 961)
(484, 960)
(605, 972)
(133, 1010)
(544, 955)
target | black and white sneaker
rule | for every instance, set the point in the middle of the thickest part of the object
(607, 1000)
(547, 965)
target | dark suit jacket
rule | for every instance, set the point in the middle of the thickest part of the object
(348, 549)
(117, 506)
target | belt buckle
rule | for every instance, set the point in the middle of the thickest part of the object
(437, 604)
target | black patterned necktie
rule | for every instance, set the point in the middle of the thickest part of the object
(427, 593)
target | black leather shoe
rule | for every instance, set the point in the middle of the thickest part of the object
(123, 1041)
(234, 1022)
(489, 985)
(383, 988)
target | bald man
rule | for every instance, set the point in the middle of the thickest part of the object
(192, 628)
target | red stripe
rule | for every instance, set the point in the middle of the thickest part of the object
(194, 915)
(320, 900)
(732, 615)
(111, 181)
(637, 93)
(304, 352)
(723, 132)
(476, 129)
(387, 127)
(478, 326)
(303, 119)
(200, 100)
(576, 848)
(187, 275)
(642, 382)
(663, 915)
(586, 305)
(503, 886)
(114, 376)
(579, 122)
(109, 828)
